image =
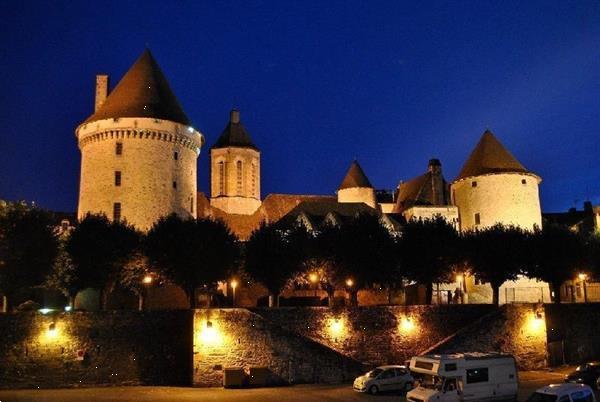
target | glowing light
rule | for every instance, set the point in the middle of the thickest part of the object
(191, 129)
(45, 310)
(52, 332)
(209, 335)
(459, 278)
(536, 324)
(68, 308)
(233, 284)
(582, 276)
(147, 279)
(336, 327)
(349, 282)
(313, 277)
(407, 325)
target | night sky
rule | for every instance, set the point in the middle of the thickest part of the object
(318, 83)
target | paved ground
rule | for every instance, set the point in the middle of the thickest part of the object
(529, 381)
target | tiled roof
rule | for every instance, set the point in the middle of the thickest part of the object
(234, 134)
(142, 92)
(355, 177)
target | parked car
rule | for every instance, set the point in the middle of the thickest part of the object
(563, 393)
(587, 374)
(383, 379)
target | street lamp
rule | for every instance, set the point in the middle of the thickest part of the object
(233, 284)
(582, 277)
(147, 280)
(459, 280)
(314, 278)
(349, 282)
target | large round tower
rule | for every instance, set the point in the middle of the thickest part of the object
(138, 150)
(494, 187)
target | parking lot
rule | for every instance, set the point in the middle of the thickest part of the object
(529, 382)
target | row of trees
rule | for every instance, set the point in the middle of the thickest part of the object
(357, 254)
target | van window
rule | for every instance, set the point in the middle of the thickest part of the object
(477, 375)
(423, 365)
(450, 366)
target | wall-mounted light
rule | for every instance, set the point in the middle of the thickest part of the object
(349, 282)
(52, 332)
(209, 334)
(536, 324)
(336, 327)
(147, 280)
(407, 325)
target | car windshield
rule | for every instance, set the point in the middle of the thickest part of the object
(431, 382)
(539, 397)
(374, 373)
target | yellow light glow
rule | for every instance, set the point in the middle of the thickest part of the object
(407, 325)
(233, 283)
(313, 277)
(349, 282)
(536, 324)
(51, 334)
(459, 278)
(209, 334)
(582, 276)
(336, 327)
(147, 279)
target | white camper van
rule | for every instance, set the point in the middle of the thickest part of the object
(464, 377)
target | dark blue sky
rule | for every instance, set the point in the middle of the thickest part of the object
(318, 83)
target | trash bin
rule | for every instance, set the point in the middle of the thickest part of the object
(258, 376)
(234, 377)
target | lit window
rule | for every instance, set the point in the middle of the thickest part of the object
(221, 178)
(119, 148)
(473, 184)
(477, 219)
(239, 177)
(117, 211)
(176, 155)
(117, 178)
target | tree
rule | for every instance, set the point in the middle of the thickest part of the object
(63, 276)
(362, 250)
(274, 255)
(558, 254)
(98, 249)
(137, 277)
(498, 254)
(192, 253)
(28, 246)
(428, 249)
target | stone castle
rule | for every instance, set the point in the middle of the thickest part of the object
(139, 162)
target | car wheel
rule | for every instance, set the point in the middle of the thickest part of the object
(408, 386)
(373, 390)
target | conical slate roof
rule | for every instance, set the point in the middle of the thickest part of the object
(142, 92)
(234, 134)
(490, 156)
(355, 177)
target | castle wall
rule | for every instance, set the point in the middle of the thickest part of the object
(358, 194)
(154, 182)
(231, 194)
(498, 198)
(450, 213)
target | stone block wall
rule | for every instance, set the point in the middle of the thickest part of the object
(117, 348)
(516, 329)
(226, 338)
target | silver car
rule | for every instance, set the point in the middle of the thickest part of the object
(383, 379)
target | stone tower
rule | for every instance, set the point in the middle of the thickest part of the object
(235, 170)
(494, 187)
(138, 150)
(356, 187)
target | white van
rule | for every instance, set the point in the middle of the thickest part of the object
(464, 377)
(563, 393)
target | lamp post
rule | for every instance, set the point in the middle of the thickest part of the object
(146, 282)
(233, 284)
(582, 278)
(459, 280)
(314, 278)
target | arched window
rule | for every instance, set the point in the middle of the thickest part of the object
(221, 178)
(238, 167)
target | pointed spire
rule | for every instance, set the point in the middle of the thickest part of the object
(490, 156)
(355, 177)
(142, 92)
(234, 134)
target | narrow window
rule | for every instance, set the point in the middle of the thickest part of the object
(523, 181)
(174, 184)
(221, 178)
(176, 155)
(477, 219)
(192, 204)
(254, 179)
(119, 148)
(238, 166)
(117, 178)
(117, 211)
(473, 184)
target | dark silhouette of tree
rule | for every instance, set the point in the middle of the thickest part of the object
(137, 277)
(28, 246)
(363, 251)
(428, 249)
(275, 253)
(558, 255)
(192, 253)
(98, 249)
(498, 254)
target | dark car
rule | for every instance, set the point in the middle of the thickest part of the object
(587, 373)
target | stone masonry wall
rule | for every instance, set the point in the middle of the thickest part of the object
(119, 348)
(517, 329)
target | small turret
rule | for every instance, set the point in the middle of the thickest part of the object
(356, 187)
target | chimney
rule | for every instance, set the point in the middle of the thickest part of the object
(101, 90)
(435, 166)
(437, 182)
(234, 117)
(587, 206)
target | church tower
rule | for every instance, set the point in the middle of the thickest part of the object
(235, 170)
(494, 187)
(356, 187)
(138, 150)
